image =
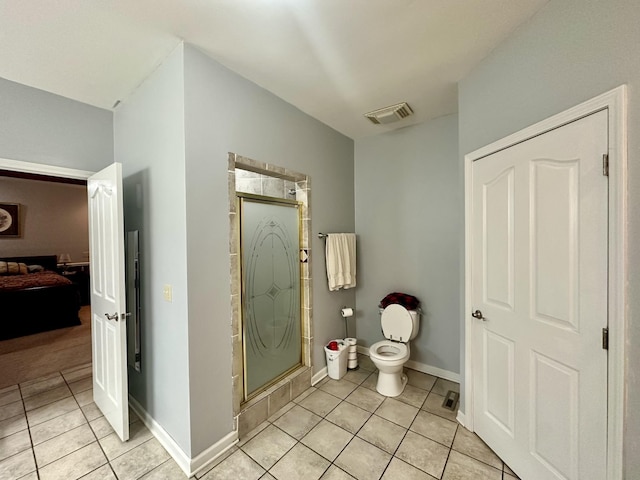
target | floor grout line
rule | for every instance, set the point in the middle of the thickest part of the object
(79, 408)
(354, 435)
(370, 415)
(97, 440)
(33, 451)
(331, 463)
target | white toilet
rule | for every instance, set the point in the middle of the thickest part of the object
(399, 326)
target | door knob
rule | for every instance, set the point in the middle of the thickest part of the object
(478, 314)
(112, 317)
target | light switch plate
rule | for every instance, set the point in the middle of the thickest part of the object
(167, 293)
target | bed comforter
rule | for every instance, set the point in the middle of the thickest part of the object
(36, 302)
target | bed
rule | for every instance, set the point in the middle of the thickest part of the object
(35, 300)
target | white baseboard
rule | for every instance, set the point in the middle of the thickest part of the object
(200, 461)
(319, 376)
(363, 350)
(460, 417)
(169, 444)
(190, 466)
(421, 367)
(435, 371)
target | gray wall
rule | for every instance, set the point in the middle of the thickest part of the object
(227, 113)
(39, 127)
(572, 50)
(53, 215)
(409, 222)
(149, 141)
(173, 136)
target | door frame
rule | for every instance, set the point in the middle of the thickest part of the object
(43, 169)
(614, 101)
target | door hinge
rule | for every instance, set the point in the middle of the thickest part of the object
(605, 164)
(605, 338)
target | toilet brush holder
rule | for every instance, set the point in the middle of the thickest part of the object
(352, 363)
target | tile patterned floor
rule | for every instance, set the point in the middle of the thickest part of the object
(51, 429)
(344, 429)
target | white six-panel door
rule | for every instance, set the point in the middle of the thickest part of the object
(108, 302)
(539, 263)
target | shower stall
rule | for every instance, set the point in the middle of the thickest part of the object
(270, 290)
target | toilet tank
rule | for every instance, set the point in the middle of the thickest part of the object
(415, 318)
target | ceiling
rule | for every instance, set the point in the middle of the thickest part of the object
(333, 59)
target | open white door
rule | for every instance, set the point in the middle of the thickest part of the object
(108, 302)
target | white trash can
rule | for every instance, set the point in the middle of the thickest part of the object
(337, 360)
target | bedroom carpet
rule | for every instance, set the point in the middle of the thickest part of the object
(36, 355)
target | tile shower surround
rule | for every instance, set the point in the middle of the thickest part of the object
(270, 180)
(51, 429)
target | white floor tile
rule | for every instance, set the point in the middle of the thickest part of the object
(365, 435)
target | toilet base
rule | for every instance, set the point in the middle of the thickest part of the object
(391, 384)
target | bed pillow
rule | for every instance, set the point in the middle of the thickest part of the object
(35, 268)
(13, 268)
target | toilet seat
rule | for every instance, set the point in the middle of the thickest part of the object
(388, 351)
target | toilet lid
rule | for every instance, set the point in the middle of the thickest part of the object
(396, 323)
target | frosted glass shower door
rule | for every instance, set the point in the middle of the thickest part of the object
(270, 291)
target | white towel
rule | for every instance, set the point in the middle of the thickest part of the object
(341, 260)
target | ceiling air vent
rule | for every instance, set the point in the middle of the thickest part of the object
(389, 114)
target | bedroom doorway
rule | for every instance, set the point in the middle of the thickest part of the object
(42, 350)
(107, 373)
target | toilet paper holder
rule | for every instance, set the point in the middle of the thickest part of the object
(346, 313)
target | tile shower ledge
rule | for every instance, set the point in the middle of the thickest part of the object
(261, 407)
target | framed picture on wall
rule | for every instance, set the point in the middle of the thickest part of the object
(9, 219)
